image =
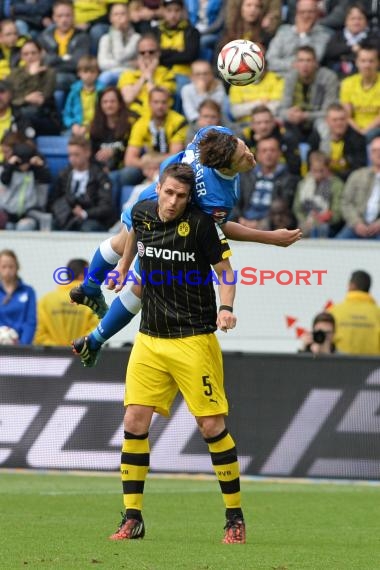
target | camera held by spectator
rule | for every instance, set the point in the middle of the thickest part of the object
(320, 339)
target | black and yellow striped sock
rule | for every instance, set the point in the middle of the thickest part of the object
(134, 468)
(224, 460)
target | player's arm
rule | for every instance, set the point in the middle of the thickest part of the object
(281, 237)
(227, 289)
(126, 259)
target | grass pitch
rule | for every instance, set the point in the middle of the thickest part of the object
(63, 521)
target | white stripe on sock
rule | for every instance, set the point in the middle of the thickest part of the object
(130, 301)
(109, 254)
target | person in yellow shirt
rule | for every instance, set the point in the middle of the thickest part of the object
(135, 85)
(179, 43)
(79, 109)
(64, 45)
(91, 16)
(267, 91)
(360, 93)
(357, 318)
(10, 46)
(58, 320)
(163, 131)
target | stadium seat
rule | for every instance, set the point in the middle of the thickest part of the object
(304, 149)
(54, 149)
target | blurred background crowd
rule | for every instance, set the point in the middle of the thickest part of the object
(94, 95)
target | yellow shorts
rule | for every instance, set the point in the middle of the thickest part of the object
(159, 367)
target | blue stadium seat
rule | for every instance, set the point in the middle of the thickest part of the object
(304, 149)
(54, 149)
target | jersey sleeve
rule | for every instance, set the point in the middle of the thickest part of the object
(214, 243)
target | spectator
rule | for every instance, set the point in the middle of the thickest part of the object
(331, 13)
(344, 44)
(305, 32)
(179, 41)
(81, 101)
(144, 13)
(267, 91)
(318, 199)
(10, 119)
(135, 85)
(58, 320)
(210, 113)
(17, 300)
(109, 135)
(360, 93)
(309, 90)
(269, 179)
(82, 197)
(118, 48)
(203, 85)
(372, 10)
(244, 20)
(360, 200)
(64, 45)
(163, 131)
(321, 338)
(92, 17)
(31, 17)
(270, 18)
(150, 166)
(10, 46)
(280, 216)
(33, 88)
(357, 318)
(25, 183)
(345, 147)
(208, 18)
(263, 125)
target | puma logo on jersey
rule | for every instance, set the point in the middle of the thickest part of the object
(147, 224)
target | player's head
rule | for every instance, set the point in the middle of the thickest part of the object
(174, 190)
(225, 152)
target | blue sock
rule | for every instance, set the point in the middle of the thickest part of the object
(104, 261)
(116, 318)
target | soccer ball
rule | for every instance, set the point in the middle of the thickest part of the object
(8, 336)
(241, 62)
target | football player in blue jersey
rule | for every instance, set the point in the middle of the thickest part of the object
(217, 157)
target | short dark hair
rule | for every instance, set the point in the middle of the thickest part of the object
(361, 280)
(324, 318)
(261, 109)
(335, 107)
(77, 266)
(307, 49)
(217, 148)
(181, 172)
(79, 140)
(62, 3)
(210, 104)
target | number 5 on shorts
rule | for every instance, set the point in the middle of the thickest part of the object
(207, 384)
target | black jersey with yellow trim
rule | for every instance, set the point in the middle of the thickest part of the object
(176, 260)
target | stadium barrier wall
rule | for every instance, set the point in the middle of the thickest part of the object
(261, 309)
(291, 415)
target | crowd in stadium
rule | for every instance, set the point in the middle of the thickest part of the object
(119, 86)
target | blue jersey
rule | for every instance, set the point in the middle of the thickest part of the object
(215, 194)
